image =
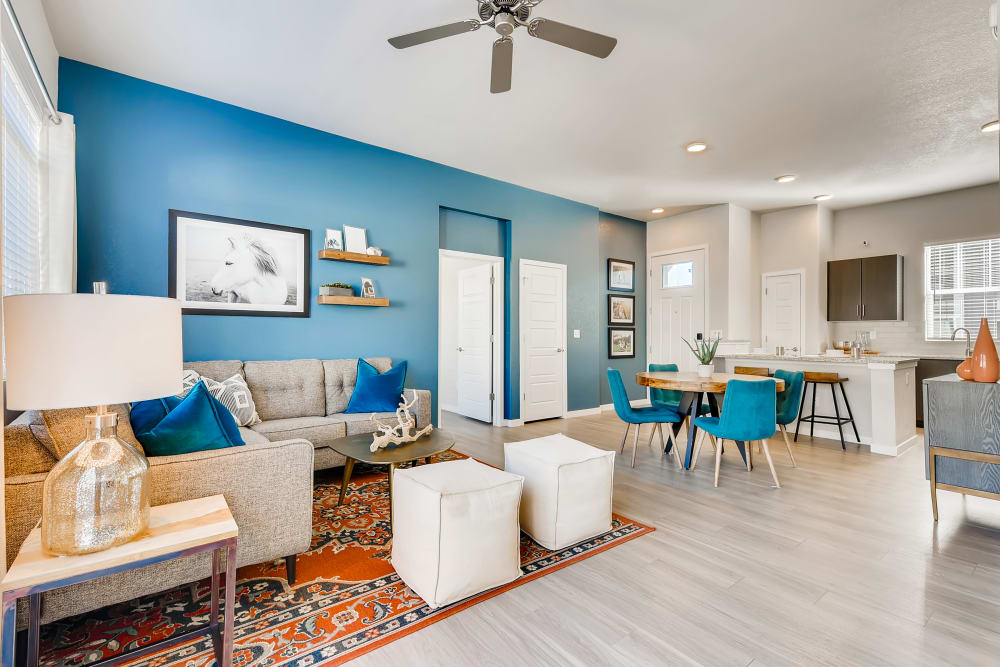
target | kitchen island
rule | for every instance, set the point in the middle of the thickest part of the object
(879, 388)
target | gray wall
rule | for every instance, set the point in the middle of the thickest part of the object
(622, 238)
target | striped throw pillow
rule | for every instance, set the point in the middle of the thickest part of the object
(232, 393)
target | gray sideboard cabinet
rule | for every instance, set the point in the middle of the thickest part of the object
(962, 437)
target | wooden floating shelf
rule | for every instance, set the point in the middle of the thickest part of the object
(357, 257)
(351, 301)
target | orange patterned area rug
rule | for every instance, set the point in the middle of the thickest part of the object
(347, 599)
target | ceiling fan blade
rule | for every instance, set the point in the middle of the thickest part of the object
(431, 34)
(503, 65)
(575, 38)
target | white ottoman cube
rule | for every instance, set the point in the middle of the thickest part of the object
(455, 530)
(567, 488)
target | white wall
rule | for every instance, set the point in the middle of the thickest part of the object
(742, 280)
(448, 333)
(904, 227)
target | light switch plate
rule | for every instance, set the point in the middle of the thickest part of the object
(576, 333)
(716, 333)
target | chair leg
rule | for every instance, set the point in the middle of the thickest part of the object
(802, 405)
(652, 432)
(836, 411)
(625, 437)
(718, 461)
(635, 444)
(847, 404)
(770, 464)
(748, 448)
(698, 442)
(812, 417)
(674, 448)
(788, 445)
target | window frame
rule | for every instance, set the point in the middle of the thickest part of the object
(928, 295)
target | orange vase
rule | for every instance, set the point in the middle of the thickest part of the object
(985, 363)
(964, 369)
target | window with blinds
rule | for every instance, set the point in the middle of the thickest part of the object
(962, 286)
(22, 186)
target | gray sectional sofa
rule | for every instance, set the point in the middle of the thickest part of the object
(268, 484)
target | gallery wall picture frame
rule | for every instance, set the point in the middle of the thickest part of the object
(621, 309)
(227, 266)
(621, 275)
(355, 239)
(621, 343)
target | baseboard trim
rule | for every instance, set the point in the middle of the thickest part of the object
(513, 423)
(636, 403)
(449, 408)
(587, 412)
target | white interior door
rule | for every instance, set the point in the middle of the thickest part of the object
(543, 340)
(475, 346)
(677, 306)
(783, 312)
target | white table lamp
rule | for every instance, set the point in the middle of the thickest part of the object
(80, 350)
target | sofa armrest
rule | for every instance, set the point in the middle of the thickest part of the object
(421, 410)
(23, 500)
(268, 486)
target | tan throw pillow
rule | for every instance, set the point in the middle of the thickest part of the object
(68, 429)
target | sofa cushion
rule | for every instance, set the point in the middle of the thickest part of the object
(252, 437)
(286, 389)
(362, 423)
(320, 431)
(340, 377)
(217, 370)
(67, 428)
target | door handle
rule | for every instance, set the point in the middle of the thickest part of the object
(559, 349)
(461, 350)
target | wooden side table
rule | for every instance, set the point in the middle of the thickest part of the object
(175, 530)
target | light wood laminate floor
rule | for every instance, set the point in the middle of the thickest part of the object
(841, 566)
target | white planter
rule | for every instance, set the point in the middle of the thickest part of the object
(705, 370)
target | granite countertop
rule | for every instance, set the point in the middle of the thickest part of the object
(943, 357)
(820, 358)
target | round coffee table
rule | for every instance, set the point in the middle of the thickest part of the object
(358, 448)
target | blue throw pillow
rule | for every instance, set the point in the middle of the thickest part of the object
(168, 426)
(377, 392)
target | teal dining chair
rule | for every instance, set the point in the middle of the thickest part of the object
(638, 416)
(788, 404)
(749, 415)
(669, 398)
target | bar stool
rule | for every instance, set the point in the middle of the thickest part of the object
(752, 370)
(832, 379)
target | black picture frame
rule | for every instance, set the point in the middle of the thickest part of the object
(611, 286)
(611, 337)
(304, 272)
(623, 297)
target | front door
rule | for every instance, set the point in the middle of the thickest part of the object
(677, 307)
(543, 340)
(783, 312)
(475, 345)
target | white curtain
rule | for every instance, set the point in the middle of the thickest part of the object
(59, 219)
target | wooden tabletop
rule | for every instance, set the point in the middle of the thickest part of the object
(358, 447)
(173, 527)
(692, 382)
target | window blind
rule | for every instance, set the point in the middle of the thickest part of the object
(962, 286)
(23, 169)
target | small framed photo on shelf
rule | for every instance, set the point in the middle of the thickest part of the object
(368, 288)
(621, 275)
(621, 343)
(334, 239)
(621, 309)
(355, 239)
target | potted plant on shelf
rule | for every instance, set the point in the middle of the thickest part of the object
(704, 352)
(336, 289)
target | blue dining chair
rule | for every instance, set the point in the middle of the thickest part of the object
(749, 415)
(788, 404)
(669, 398)
(638, 416)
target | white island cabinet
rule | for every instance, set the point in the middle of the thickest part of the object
(880, 390)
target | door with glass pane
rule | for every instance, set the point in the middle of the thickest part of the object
(677, 306)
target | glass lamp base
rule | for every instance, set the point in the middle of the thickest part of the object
(97, 496)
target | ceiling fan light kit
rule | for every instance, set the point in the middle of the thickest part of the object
(505, 16)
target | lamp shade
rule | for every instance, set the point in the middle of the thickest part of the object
(79, 350)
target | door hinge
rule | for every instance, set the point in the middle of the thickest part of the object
(492, 279)
(492, 339)
(493, 396)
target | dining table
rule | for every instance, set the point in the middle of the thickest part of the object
(694, 389)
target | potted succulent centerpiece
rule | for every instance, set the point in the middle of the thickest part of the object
(336, 289)
(704, 352)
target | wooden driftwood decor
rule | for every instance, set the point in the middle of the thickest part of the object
(402, 432)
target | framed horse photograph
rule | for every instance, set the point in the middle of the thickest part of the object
(226, 266)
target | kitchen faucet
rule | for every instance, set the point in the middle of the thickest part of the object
(968, 340)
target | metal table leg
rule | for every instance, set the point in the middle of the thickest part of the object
(392, 469)
(692, 429)
(7, 647)
(34, 618)
(217, 556)
(230, 611)
(348, 467)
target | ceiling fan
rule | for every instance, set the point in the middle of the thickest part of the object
(505, 16)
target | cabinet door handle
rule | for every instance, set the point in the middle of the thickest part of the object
(859, 310)
(862, 311)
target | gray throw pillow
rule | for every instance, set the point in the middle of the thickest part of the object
(232, 393)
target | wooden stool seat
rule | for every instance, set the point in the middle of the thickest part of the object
(833, 380)
(751, 370)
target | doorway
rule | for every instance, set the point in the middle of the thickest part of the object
(782, 310)
(678, 298)
(543, 340)
(470, 340)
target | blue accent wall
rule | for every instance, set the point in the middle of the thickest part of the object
(143, 148)
(623, 238)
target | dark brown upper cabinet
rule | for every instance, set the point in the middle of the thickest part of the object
(868, 288)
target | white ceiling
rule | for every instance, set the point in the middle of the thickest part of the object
(869, 100)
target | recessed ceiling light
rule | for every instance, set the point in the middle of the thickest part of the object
(697, 147)
(787, 178)
(992, 127)
(823, 197)
(657, 211)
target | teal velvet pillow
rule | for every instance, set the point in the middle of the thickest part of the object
(377, 392)
(169, 426)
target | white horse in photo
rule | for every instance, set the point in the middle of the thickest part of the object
(250, 274)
